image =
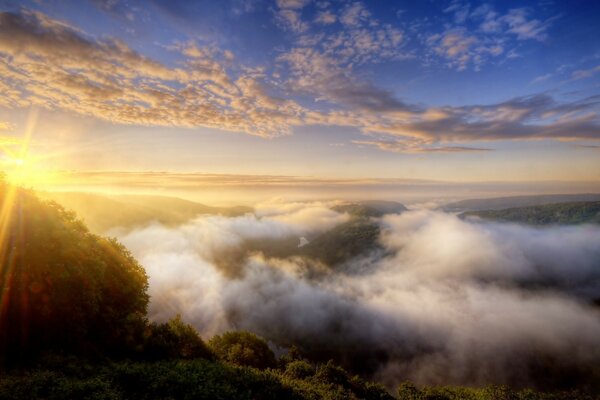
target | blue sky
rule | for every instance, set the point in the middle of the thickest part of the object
(443, 90)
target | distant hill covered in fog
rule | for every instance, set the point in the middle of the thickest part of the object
(547, 214)
(499, 203)
(104, 212)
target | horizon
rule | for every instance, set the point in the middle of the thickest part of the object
(472, 92)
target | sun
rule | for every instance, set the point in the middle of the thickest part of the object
(25, 170)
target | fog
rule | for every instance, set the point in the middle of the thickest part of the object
(447, 301)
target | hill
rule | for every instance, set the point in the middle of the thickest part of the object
(549, 214)
(61, 286)
(499, 203)
(102, 212)
(370, 208)
(344, 242)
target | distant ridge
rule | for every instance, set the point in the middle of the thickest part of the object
(103, 212)
(548, 214)
(370, 208)
(499, 203)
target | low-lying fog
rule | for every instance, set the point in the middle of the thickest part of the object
(440, 301)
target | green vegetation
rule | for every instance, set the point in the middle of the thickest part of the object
(408, 391)
(549, 214)
(373, 208)
(61, 286)
(501, 203)
(356, 237)
(73, 325)
(243, 349)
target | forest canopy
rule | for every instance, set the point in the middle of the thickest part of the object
(63, 287)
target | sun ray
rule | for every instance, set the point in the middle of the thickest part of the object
(11, 212)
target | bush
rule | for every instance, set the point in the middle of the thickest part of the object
(243, 348)
(174, 339)
(299, 369)
(331, 373)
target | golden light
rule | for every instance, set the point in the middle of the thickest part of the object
(21, 167)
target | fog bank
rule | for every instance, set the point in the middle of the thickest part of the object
(448, 301)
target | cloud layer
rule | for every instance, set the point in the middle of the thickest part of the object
(451, 301)
(316, 80)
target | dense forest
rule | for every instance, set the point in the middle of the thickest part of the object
(73, 324)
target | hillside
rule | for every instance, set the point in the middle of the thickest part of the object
(63, 288)
(102, 212)
(344, 242)
(549, 214)
(370, 208)
(499, 203)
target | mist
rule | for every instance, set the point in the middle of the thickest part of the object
(447, 301)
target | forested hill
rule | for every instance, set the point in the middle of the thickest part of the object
(501, 203)
(103, 212)
(548, 214)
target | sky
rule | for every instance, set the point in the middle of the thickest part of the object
(163, 94)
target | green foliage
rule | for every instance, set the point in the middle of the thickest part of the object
(174, 339)
(342, 243)
(299, 369)
(63, 287)
(549, 214)
(371, 208)
(205, 379)
(244, 349)
(408, 391)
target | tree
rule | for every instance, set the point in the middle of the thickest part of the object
(243, 348)
(62, 287)
(175, 339)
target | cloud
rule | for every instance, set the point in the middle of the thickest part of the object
(542, 78)
(292, 20)
(460, 11)
(46, 62)
(530, 117)
(57, 66)
(403, 147)
(354, 14)
(292, 4)
(462, 46)
(585, 73)
(519, 25)
(452, 301)
(321, 75)
(325, 17)
(456, 46)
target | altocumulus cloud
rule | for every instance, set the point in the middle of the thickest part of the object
(448, 301)
(47, 62)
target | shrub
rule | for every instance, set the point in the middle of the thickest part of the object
(299, 369)
(174, 339)
(243, 348)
